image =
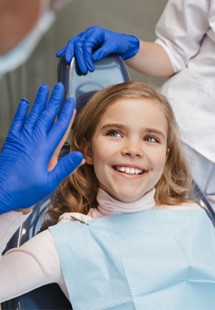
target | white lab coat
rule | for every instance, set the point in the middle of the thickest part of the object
(186, 30)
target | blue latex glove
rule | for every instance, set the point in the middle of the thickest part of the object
(29, 146)
(95, 43)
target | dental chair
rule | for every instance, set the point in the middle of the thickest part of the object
(110, 70)
(203, 202)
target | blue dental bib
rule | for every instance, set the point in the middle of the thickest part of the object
(154, 259)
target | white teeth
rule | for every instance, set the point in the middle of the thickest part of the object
(129, 170)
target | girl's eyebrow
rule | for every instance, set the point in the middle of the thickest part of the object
(114, 125)
(121, 126)
(156, 131)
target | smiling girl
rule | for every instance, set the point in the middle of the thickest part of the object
(130, 140)
(129, 235)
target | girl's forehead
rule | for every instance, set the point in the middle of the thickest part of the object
(143, 101)
(130, 106)
(142, 111)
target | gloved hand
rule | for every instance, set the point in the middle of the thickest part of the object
(95, 43)
(28, 148)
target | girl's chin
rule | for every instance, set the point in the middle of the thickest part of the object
(125, 194)
(126, 198)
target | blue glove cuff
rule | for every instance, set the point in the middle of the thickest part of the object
(133, 48)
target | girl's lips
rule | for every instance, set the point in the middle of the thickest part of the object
(129, 170)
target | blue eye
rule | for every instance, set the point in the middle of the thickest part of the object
(114, 133)
(151, 139)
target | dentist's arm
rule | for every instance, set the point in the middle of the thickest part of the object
(151, 59)
(96, 42)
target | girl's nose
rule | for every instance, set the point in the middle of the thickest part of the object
(132, 150)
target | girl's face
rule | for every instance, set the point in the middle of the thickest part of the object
(129, 148)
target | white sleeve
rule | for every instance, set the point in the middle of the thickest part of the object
(32, 265)
(9, 223)
(181, 29)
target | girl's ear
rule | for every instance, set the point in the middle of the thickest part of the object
(167, 153)
(88, 153)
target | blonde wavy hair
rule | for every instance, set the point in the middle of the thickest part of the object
(78, 192)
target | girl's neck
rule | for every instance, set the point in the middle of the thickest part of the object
(108, 205)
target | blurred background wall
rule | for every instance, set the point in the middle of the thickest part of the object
(137, 17)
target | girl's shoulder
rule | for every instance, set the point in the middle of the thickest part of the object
(184, 206)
